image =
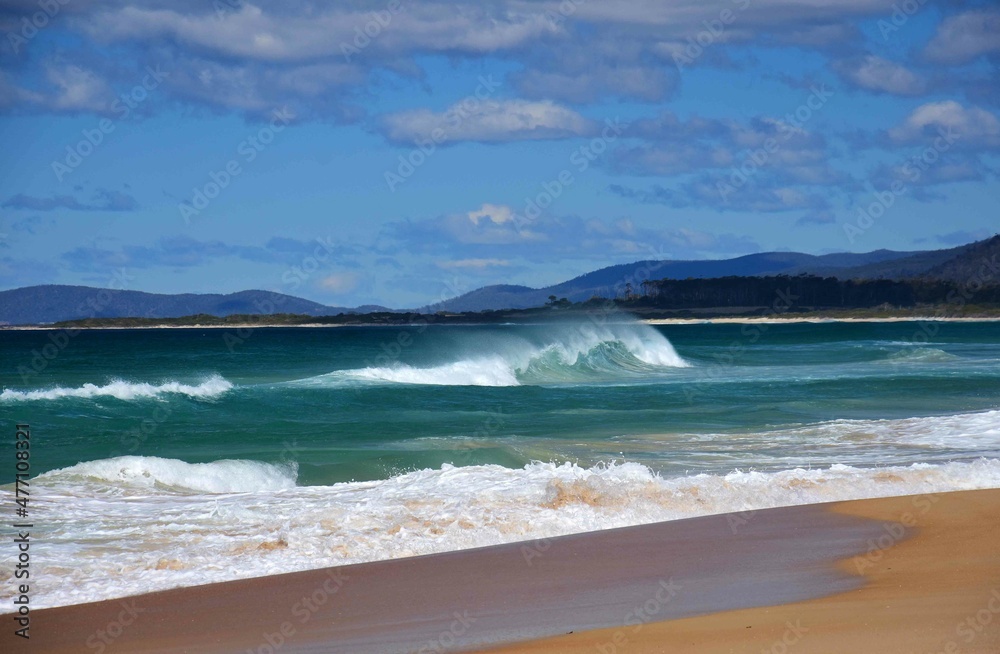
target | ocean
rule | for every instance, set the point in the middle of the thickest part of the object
(176, 457)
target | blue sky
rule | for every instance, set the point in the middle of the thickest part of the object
(219, 146)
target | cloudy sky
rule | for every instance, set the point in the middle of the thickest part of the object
(399, 152)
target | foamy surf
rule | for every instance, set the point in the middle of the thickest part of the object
(126, 474)
(161, 539)
(123, 390)
(563, 353)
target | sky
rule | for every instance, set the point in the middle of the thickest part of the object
(399, 153)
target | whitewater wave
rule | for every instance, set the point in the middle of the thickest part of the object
(948, 432)
(560, 354)
(123, 390)
(922, 355)
(129, 473)
(163, 539)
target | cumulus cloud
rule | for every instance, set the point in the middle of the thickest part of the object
(880, 76)
(78, 89)
(971, 126)
(496, 213)
(645, 83)
(919, 176)
(964, 37)
(490, 121)
(550, 238)
(307, 31)
(319, 57)
(763, 164)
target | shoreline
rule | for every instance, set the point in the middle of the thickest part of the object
(749, 320)
(931, 584)
(876, 574)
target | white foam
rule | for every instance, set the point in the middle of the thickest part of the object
(129, 473)
(99, 546)
(475, 372)
(123, 390)
(963, 430)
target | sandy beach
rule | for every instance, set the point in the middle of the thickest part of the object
(905, 574)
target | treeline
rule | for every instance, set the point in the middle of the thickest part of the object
(805, 291)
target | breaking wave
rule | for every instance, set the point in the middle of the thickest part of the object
(123, 390)
(563, 354)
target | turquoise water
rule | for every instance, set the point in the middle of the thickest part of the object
(349, 444)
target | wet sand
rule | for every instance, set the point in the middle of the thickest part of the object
(886, 575)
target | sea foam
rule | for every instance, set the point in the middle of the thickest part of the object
(123, 390)
(160, 538)
(151, 472)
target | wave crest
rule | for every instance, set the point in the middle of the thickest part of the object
(151, 472)
(560, 354)
(123, 390)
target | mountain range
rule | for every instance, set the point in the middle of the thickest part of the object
(34, 305)
(53, 303)
(947, 264)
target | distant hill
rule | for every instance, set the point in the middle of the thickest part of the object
(52, 303)
(952, 264)
(979, 260)
(912, 266)
(606, 281)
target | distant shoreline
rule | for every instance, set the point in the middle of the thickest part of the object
(738, 320)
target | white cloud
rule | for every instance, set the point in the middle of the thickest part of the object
(341, 283)
(78, 89)
(302, 31)
(881, 75)
(474, 264)
(490, 121)
(497, 213)
(972, 126)
(966, 36)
